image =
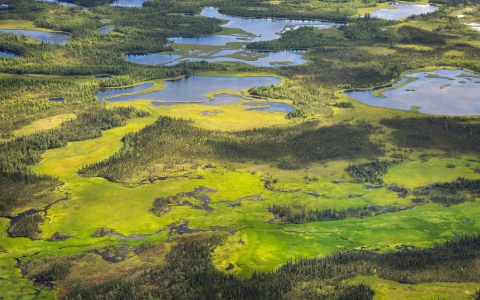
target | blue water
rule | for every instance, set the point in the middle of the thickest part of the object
(8, 55)
(270, 106)
(58, 2)
(152, 58)
(111, 92)
(58, 38)
(263, 29)
(403, 10)
(193, 89)
(441, 92)
(106, 29)
(128, 3)
(278, 58)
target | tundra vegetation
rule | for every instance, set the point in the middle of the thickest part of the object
(334, 200)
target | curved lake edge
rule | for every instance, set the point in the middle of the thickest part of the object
(242, 97)
(402, 76)
(432, 104)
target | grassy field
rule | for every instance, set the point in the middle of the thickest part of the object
(386, 289)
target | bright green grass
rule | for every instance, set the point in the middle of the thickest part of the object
(391, 290)
(420, 174)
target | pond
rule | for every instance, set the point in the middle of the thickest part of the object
(193, 89)
(152, 58)
(58, 38)
(263, 29)
(270, 106)
(8, 55)
(128, 3)
(112, 92)
(106, 29)
(403, 10)
(58, 2)
(432, 93)
(261, 59)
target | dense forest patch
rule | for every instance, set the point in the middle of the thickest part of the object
(460, 135)
(172, 142)
(196, 278)
(18, 184)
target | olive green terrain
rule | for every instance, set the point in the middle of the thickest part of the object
(335, 200)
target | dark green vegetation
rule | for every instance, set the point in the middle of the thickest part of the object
(298, 214)
(173, 142)
(19, 186)
(370, 172)
(86, 237)
(189, 273)
(449, 193)
(462, 134)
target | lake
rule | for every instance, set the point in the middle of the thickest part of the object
(106, 29)
(270, 106)
(58, 38)
(262, 59)
(264, 29)
(442, 92)
(8, 55)
(111, 92)
(193, 89)
(403, 10)
(128, 3)
(57, 2)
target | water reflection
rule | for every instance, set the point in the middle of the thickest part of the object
(128, 3)
(41, 36)
(435, 92)
(106, 29)
(264, 29)
(112, 92)
(58, 2)
(260, 59)
(8, 55)
(152, 58)
(270, 106)
(193, 89)
(403, 10)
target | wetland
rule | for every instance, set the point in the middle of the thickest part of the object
(281, 160)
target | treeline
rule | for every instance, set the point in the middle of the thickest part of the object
(189, 273)
(368, 29)
(341, 11)
(175, 142)
(371, 171)
(25, 100)
(449, 193)
(453, 134)
(301, 38)
(298, 214)
(18, 183)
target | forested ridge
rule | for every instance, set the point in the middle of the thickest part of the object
(174, 142)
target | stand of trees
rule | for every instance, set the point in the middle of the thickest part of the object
(370, 172)
(189, 273)
(18, 184)
(172, 142)
(298, 214)
(459, 134)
